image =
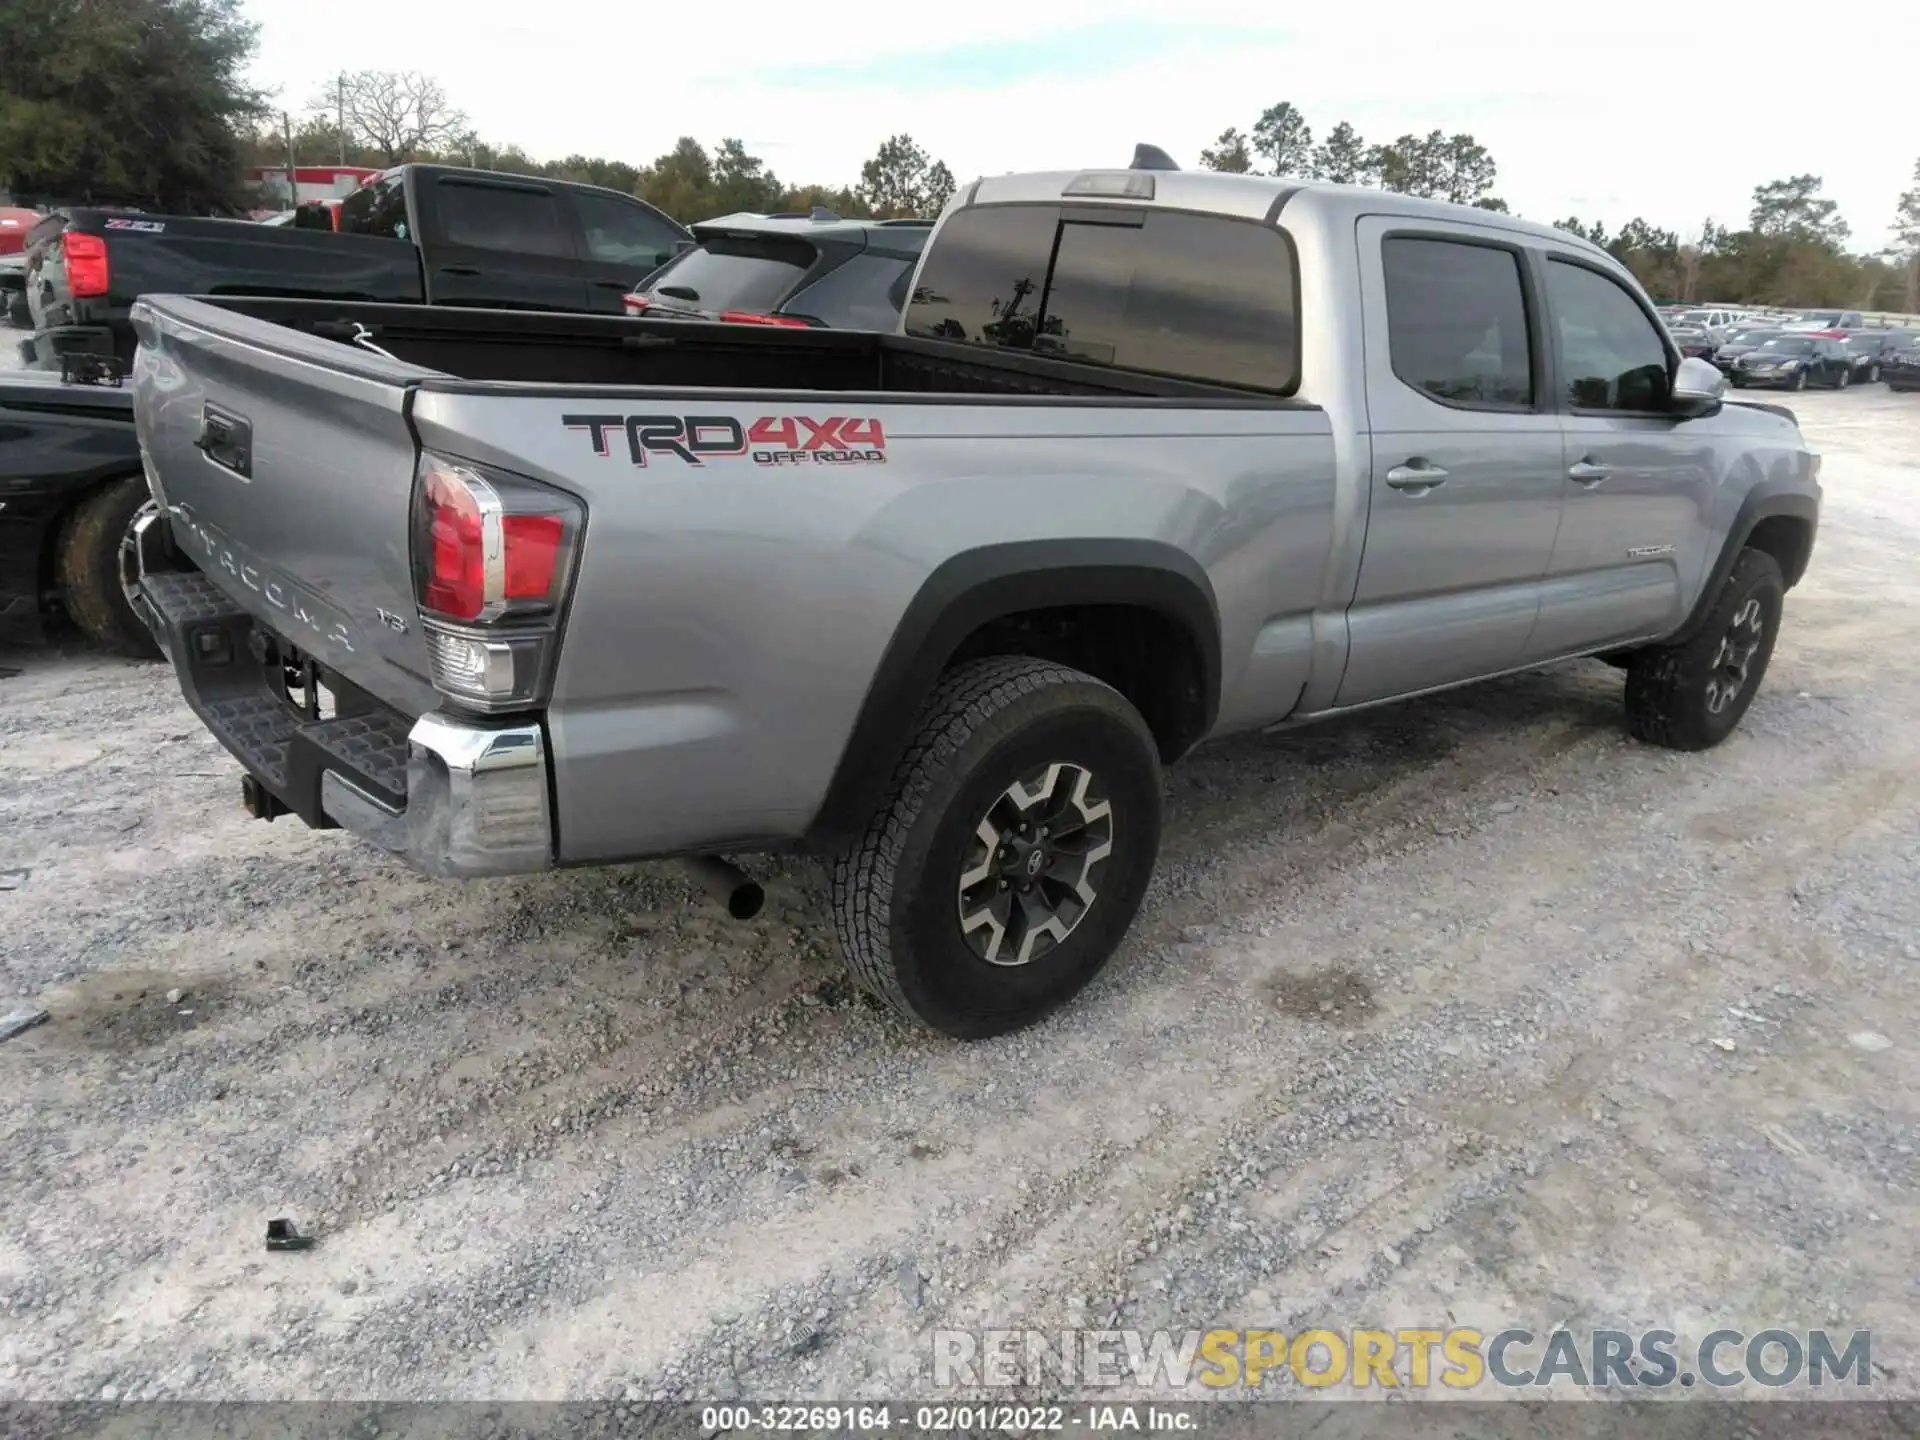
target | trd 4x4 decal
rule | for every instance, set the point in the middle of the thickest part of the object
(770, 440)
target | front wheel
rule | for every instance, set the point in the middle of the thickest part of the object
(1800, 380)
(1012, 852)
(1873, 374)
(1846, 379)
(90, 568)
(1690, 696)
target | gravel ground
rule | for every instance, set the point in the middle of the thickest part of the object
(1469, 1011)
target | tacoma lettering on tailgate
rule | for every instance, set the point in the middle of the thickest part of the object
(769, 440)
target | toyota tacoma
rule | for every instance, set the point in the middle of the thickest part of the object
(1153, 457)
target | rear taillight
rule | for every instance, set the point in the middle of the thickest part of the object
(753, 317)
(492, 559)
(86, 265)
(635, 304)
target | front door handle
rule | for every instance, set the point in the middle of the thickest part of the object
(1585, 472)
(1417, 476)
(466, 271)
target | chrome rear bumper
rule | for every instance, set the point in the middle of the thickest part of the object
(449, 795)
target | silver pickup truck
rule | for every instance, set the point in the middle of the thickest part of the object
(1156, 456)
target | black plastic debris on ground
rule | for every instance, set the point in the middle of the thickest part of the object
(283, 1235)
(16, 1022)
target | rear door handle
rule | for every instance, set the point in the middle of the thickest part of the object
(1585, 472)
(1416, 475)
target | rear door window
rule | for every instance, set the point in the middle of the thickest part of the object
(1197, 297)
(736, 272)
(502, 217)
(1457, 321)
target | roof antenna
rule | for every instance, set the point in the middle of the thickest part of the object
(1151, 157)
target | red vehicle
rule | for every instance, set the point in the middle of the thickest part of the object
(312, 182)
(14, 225)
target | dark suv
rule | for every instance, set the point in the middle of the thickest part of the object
(814, 269)
(1900, 366)
(1869, 349)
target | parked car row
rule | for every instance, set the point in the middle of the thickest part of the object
(1794, 359)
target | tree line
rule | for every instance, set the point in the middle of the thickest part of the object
(1436, 165)
(1792, 250)
(145, 103)
(381, 117)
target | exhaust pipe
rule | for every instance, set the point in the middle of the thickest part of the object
(727, 883)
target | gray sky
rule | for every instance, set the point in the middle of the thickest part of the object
(1676, 122)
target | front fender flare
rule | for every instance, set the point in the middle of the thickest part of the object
(1765, 501)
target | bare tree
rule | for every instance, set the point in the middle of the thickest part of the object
(396, 113)
(1906, 236)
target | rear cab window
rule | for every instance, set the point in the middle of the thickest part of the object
(1205, 298)
(486, 216)
(378, 207)
(736, 272)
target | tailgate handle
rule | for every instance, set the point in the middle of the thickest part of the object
(227, 440)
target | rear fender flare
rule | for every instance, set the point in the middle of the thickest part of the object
(977, 587)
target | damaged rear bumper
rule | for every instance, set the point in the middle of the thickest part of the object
(449, 795)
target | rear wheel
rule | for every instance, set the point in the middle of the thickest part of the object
(1011, 854)
(89, 568)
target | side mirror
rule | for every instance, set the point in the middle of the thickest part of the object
(1698, 389)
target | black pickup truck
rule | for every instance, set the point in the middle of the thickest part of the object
(419, 234)
(71, 483)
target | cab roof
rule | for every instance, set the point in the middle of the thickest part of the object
(1251, 197)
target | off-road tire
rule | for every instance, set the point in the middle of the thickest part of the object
(88, 562)
(895, 891)
(1667, 700)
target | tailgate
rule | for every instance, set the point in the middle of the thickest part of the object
(285, 463)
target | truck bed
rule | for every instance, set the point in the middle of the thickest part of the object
(171, 254)
(764, 506)
(551, 350)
